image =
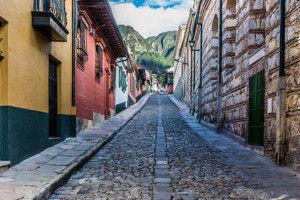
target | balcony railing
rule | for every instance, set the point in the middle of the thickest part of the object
(51, 18)
(56, 7)
(82, 56)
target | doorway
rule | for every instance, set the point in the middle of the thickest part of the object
(256, 109)
(52, 98)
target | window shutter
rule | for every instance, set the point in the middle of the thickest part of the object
(99, 58)
(82, 35)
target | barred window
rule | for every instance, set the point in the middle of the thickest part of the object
(98, 63)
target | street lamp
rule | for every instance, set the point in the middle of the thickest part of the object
(192, 42)
(193, 72)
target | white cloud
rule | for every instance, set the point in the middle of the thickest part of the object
(148, 21)
(162, 3)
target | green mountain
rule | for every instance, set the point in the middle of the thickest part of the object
(134, 40)
(164, 43)
(153, 53)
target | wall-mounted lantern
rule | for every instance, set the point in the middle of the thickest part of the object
(1, 57)
(192, 42)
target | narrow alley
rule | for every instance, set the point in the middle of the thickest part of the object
(163, 153)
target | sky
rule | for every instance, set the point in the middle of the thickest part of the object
(151, 17)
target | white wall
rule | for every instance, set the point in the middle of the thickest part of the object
(121, 96)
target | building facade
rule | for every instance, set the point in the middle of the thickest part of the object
(132, 82)
(244, 72)
(36, 84)
(169, 80)
(122, 84)
(98, 45)
(141, 88)
(179, 64)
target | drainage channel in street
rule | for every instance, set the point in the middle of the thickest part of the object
(162, 180)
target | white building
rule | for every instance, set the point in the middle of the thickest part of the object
(178, 64)
(121, 97)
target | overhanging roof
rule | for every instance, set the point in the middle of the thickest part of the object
(102, 13)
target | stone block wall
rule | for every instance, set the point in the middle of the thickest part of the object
(272, 58)
(251, 42)
(210, 61)
(186, 75)
(292, 56)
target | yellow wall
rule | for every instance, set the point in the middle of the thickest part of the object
(3, 63)
(28, 60)
(63, 52)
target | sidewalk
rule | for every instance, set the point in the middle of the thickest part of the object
(40, 175)
(282, 181)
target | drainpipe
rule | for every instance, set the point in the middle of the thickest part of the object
(281, 143)
(219, 101)
(74, 31)
(191, 82)
(194, 70)
(200, 80)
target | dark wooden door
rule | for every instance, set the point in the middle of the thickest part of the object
(256, 109)
(52, 98)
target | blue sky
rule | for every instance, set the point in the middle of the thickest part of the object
(151, 17)
(151, 3)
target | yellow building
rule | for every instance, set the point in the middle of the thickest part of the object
(36, 105)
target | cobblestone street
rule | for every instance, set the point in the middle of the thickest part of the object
(157, 155)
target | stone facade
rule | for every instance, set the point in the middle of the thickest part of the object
(178, 64)
(250, 45)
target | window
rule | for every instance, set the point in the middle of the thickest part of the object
(132, 83)
(82, 55)
(112, 78)
(122, 79)
(170, 79)
(98, 63)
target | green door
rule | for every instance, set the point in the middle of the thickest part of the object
(256, 109)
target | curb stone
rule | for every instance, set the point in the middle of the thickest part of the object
(26, 190)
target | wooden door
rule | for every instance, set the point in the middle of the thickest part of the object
(52, 98)
(256, 109)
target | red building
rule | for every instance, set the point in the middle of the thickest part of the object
(132, 82)
(98, 45)
(136, 82)
(169, 74)
(141, 82)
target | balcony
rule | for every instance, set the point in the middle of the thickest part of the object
(49, 17)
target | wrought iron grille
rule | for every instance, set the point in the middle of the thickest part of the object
(56, 7)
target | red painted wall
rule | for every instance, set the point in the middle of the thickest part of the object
(170, 89)
(90, 95)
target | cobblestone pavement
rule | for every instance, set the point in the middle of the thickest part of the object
(199, 171)
(158, 156)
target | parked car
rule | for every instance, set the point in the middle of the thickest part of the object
(162, 92)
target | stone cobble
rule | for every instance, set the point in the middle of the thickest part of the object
(157, 155)
(124, 169)
(198, 170)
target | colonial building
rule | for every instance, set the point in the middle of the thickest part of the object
(141, 82)
(132, 82)
(124, 66)
(169, 76)
(179, 65)
(155, 83)
(98, 45)
(244, 72)
(36, 109)
(148, 81)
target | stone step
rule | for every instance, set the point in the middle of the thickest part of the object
(4, 165)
